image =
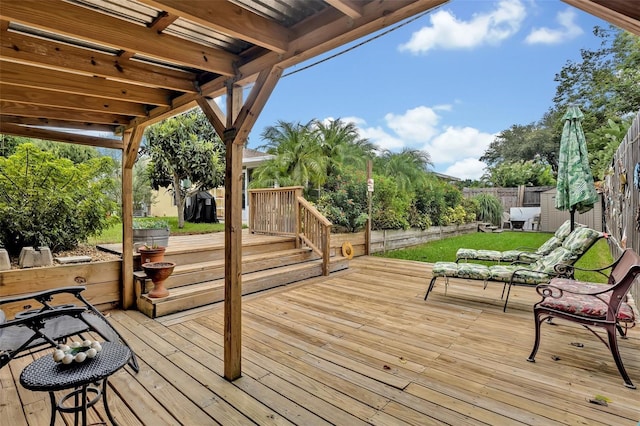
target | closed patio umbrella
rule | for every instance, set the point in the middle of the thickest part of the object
(575, 187)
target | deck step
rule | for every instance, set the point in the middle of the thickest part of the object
(204, 293)
(196, 272)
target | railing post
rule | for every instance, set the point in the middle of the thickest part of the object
(326, 249)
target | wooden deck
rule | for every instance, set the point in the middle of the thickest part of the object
(360, 347)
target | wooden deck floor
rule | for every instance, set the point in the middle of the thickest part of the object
(360, 347)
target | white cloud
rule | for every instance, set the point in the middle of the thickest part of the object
(468, 168)
(454, 147)
(448, 32)
(415, 125)
(457, 143)
(568, 30)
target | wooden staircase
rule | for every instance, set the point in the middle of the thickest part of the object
(198, 278)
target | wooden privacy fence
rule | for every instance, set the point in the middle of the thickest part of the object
(522, 196)
(622, 197)
(283, 211)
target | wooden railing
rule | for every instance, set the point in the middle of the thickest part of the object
(314, 230)
(283, 211)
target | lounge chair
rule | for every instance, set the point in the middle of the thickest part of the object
(538, 272)
(592, 305)
(520, 255)
(44, 325)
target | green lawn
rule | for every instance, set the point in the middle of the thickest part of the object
(113, 234)
(445, 250)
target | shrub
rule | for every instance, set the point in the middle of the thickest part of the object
(48, 201)
(345, 205)
(489, 208)
(390, 205)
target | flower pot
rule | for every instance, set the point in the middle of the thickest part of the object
(158, 272)
(154, 254)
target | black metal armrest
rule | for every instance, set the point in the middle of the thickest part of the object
(43, 296)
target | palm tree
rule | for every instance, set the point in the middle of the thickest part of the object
(298, 159)
(342, 145)
(408, 167)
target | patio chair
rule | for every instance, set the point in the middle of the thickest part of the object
(521, 254)
(592, 305)
(44, 325)
(539, 272)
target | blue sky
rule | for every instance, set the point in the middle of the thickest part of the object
(445, 83)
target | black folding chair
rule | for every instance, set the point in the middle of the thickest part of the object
(46, 325)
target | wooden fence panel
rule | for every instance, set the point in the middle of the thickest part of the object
(622, 198)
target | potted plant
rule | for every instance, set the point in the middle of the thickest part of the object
(151, 253)
(151, 231)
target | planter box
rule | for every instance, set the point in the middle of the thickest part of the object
(159, 237)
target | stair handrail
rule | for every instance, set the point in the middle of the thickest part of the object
(314, 230)
(284, 211)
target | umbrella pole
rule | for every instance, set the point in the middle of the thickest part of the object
(573, 218)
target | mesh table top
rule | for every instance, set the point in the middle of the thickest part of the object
(44, 374)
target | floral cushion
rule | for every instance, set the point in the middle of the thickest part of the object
(490, 255)
(522, 276)
(548, 262)
(549, 245)
(519, 256)
(564, 230)
(581, 239)
(461, 270)
(582, 304)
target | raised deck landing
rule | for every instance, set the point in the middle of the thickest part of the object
(198, 279)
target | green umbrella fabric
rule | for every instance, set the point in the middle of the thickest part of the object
(575, 187)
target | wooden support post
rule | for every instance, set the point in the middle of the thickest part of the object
(367, 233)
(233, 259)
(132, 139)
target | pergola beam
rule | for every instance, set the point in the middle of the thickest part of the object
(54, 135)
(76, 21)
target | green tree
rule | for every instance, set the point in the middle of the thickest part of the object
(526, 142)
(605, 82)
(9, 143)
(298, 157)
(341, 144)
(530, 173)
(186, 156)
(603, 144)
(49, 201)
(408, 168)
(76, 153)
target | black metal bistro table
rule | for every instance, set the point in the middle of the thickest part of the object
(44, 374)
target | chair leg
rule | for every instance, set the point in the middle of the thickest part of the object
(536, 344)
(506, 300)
(613, 346)
(431, 284)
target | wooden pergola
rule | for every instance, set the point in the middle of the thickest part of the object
(71, 70)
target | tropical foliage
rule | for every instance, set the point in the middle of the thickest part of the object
(488, 209)
(328, 159)
(50, 201)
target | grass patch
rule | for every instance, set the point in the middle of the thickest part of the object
(445, 249)
(113, 234)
